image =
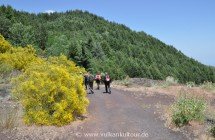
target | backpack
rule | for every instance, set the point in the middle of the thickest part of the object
(91, 78)
(98, 77)
(107, 78)
(86, 78)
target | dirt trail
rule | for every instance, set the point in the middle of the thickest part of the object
(112, 115)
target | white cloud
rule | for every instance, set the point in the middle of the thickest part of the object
(49, 11)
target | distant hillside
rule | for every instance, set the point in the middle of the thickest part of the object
(100, 45)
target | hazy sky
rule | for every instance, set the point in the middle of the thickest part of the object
(188, 25)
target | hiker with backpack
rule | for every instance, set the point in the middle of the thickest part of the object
(86, 80)
(98, 80)
(91, 80)
(107, 81)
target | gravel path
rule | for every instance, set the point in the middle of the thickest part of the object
(120, 116)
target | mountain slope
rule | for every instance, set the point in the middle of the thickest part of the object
(100, 45)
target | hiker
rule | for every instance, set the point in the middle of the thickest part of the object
(107, 81)
(98, 80)
(91, 80)
(86, 80)
(102, 78)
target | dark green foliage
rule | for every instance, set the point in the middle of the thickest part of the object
(213, 131)
(5, 24)
(41, 35)
(100, 45)
(188, 109)
(22, 35)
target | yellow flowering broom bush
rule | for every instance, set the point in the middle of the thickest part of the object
(17, 57)
(50, 90)
(4, 45)
(51, 94)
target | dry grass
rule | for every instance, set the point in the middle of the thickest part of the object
(8, 117)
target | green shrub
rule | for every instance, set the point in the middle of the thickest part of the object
(168, 82)
(213, 131)
(187, 109)
(208, 86)
(126, 82)
(171, 80)
(190, 84)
